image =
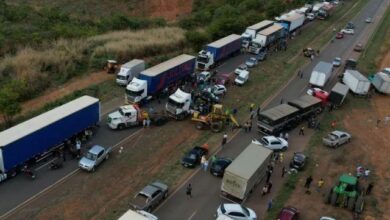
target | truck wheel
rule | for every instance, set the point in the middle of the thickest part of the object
(216, 127)
(333, 199)
(284, 148)
(351, 203)
(359, 205)
(120, 127)
(181, 117)
(200, 125)
(327, 199)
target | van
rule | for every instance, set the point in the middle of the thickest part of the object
(242, 78)
(129, 70)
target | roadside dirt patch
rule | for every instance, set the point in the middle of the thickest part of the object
(168, 9)
(369, 148)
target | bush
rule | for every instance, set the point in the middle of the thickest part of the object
(197, 39)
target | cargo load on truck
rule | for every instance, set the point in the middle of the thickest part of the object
(321, 74)
(157, 78)
(338, 94)
(129, 70)
(356, 82)
(218, 51)
(267, 37)
(245, 172)
(278, 118)
(251, 31)
(137, 215)
(45, 133)
(291, 21)
(381, 82)
(308, 105)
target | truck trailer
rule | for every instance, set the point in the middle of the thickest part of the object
(36, 137)
(292, 21)
(157, 78)
(218, 51)
(338, 94)
(320, 74)
(267, 37)
(356, 82)
(251, 31)
(288, 115)
(245, 172)
(129, 70)
(381, 82)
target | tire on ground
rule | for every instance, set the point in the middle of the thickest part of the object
(216, 126)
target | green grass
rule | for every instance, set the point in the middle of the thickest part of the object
(377, 46)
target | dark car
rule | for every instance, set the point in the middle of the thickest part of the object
(222, 79)
(288, 213)
(350, 25)
(218, 167)
(192, 158)
(339, 35)
(209, 97)
(262, 56)
(350, 64)
(298, 161)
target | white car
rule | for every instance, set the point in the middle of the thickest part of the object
(95, 156)
(217, 89)
(336, 62)
(236, 211)
(313, 91)
(336, 138)
(204, 76)
(310, 16)
(251, 62)
(347, 31)
(242, 78)
(327, 218)
(272, 142)
(368, 20)
(241, 68)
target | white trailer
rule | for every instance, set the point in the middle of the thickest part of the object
(129, 70)
(292, 21)
(381, 82)
(356, 82)
(251, 31)
(320, 74)
(137, 215)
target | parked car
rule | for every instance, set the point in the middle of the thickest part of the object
(217, 89)
(242, 78)
(272, 142)
(209, 96)
(350, 25)
(288, 213)
(336, 138)
(368, 20)
(94, 157)
(337, 62)
(236, 211)
(312, 91)
(358, 47)
(240, 68)
(348, 31)
(218, 167)
(251, 62)
(261, 56)
(222, 79)
(150, 196)
(192, 158)
(298, 161)
(339, 35)
(204, 76)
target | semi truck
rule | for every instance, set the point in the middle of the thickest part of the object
(179, 104)
(218, 51)
(356, 82)
(245, 172)
(338, 94)
(287, 116)
(126, 116)
(266, 37)
(40, 136)
(251, 31)
(320, 74)
(292, 21)
(381, 82)
(129, 70)
(157, 78)
(137, 215)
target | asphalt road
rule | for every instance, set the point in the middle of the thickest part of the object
(206, 188)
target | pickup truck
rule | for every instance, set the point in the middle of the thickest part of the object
(94, 157)
(336, 138)
(150, 196)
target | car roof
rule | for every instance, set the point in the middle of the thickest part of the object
(96, 149)
(336, 132)
(287, 213)
(232, 207)
(271, 138)
(149, 190)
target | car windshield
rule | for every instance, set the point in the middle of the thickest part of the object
(191, 156)
(264, 141)
(203, 59)
(240, 78)
(120, 111)
(332, 136)
(245, 210)
(91, 156)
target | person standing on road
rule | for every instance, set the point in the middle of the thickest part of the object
(253, 114)
(189, 191)
(264, 190)
(269, 173)
(269, 205)
(302, 131)
(202, 161)
(369, 188)
(251, 107)
(78, 147)
(283, 171)
(249, 126)
(206, 165)
(281, 157)
(286, 136)
(148, 121)
(144, 123)
(308, 183)
(269, 186)
(224, 139)
(320, 184)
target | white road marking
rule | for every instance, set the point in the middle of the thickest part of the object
(193, 214)
(42, 166)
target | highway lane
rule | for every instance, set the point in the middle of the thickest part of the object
(19, 189)
(206, 188)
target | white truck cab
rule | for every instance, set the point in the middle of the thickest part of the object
(205, 60)
(129, 70)
(179, 104)
(136, 91)
(125, 116)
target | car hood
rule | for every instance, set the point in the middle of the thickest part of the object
(86, 162)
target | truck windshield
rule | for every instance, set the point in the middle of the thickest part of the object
(120, 111)
(202, 59)
(172, 102)
(134, 93)
(91, 156)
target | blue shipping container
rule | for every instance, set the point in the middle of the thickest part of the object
(43, 139)
(161, 81)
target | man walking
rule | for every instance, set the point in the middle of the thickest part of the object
(320, 184)
(308, 183)
(249, 126)
(286, 136)
(369, 188)
(224, 139)
(189, 191)
(269, 186)
(301, 131)
(258, 111)
(283, 171)
(269, 205)
(251, 107)
(202, 162)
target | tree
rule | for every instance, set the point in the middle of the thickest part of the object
(9, 104)
(196, 39)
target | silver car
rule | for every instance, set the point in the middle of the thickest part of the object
(150, 196)
(95, 156)
(336, 138)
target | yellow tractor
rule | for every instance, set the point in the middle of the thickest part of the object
(215, 120)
